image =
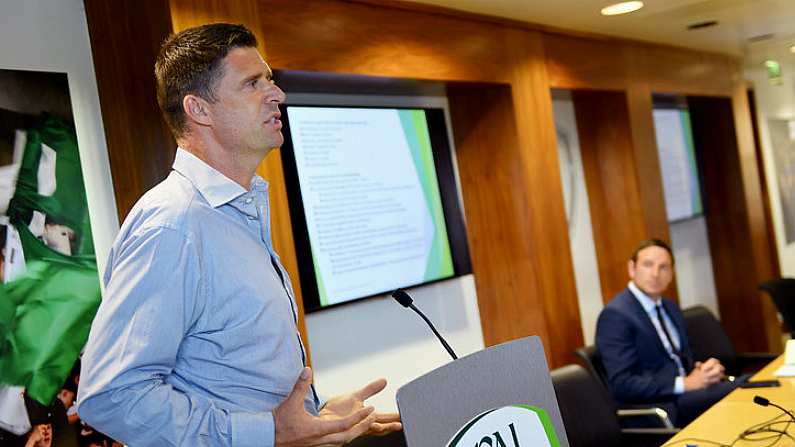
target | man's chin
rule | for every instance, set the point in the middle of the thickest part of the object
(652, 291)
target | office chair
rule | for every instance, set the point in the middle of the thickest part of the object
(782, 291)
(648, 415)
(590, 415)
(593, 363)
(391, 440)
(709, 339)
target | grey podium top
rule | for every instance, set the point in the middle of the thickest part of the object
(436, 405)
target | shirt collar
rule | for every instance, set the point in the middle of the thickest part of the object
(216, 188)
(645, 300)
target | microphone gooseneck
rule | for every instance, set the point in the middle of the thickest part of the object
(405, 300)
(759, 400)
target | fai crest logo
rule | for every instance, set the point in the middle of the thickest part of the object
(512, 426)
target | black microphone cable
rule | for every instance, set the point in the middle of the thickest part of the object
(766, 429)
(405, 300)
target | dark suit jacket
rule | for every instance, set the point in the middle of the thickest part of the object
(638, 367)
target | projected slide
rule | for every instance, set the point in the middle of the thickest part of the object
(371, 199)
(677, 163)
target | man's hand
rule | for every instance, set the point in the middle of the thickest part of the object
(704, 375)
(339, 406)
(296, 428)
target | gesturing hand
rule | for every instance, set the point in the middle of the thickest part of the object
(296, 428)
(340, 406)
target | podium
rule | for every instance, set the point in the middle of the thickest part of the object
(443, 403)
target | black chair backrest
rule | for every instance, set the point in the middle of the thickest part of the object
(593, 363)
(782, 291)
(709, 339)
(588, 412)
(395, 439)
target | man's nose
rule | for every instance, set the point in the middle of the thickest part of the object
(276, 94)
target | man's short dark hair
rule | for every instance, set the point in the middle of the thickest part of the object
(189, 62)
(652, 243)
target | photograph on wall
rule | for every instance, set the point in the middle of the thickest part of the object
(782, 139)
(49, 284)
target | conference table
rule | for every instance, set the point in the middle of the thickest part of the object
(722, 424)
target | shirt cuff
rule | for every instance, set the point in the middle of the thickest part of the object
(253, 429)
(679, 385)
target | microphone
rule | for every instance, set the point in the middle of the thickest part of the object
(405, 300)
(759, 400)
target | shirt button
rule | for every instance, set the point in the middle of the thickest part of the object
(251, 218)
(249, 199)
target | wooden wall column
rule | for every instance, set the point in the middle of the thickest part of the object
(125, 39)
(740, 261)
(623, 180)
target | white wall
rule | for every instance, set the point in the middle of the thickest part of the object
(578, 213)
(52, 35)
(359, 342)
(694, 276)
(773, 102)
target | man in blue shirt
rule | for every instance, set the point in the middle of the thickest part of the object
(644, 347)
(196, 341)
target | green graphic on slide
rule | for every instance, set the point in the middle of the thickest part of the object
(415, 127)
(695, 198)
(321, 289)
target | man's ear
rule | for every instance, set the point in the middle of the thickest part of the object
(196, 109)
(631, 269)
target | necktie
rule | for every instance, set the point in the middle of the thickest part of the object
(668, 337)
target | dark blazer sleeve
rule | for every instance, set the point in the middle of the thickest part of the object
(636, 370)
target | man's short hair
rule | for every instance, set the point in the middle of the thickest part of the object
(190, 62)
(652, 243)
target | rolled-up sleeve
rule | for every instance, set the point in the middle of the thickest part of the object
(155, 294)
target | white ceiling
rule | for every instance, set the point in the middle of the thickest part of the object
(662, 21)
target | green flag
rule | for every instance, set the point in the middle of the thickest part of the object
(46, 314)
(45, 317)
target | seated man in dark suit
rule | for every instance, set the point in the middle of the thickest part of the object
(642, 339)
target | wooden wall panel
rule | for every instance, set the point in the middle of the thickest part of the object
(613, 64)
(613, 191)
(186, 14)
(547, 239)
(577, 63)
(647, 164)
(496, 185)
(760, 225)
(125, 38)
(739, 262)
(675, 70)
(493, 69)
(622, 174)
(399, 43)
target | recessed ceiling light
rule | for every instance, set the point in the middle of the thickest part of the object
(621, 8)
(792, 49)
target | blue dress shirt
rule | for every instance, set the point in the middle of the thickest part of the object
(196, 339)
